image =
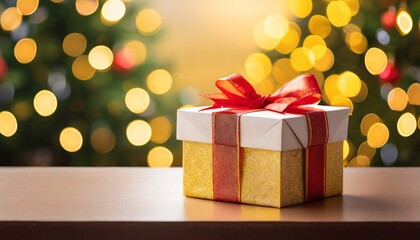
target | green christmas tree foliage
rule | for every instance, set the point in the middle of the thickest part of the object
(78, 85)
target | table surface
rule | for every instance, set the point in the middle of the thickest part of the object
(146, 195)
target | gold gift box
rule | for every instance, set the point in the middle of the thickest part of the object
(268, 177)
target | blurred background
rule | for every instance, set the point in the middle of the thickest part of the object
(98, 83)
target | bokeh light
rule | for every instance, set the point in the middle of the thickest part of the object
(389, 154)
(290, 40)
(10, 19)
(406, 124)
(112, 12)
(397, 99)
(263, 39)
(27, 7)
(375, 61)
(346, 149)
(82, 69)
(366, 150)
(257, 66)
(302, 59)
(9, 125)
(377, 135)
(319, 25)
(45, 103)
(102, 140)
(414, 94)
(137, 100)
(71, 139)
(86, 7)
(356, 42)
(138, 132)
(160, 157)
(23, 110)
(300, 8)
(360, 161)
(25, 50)
(367, 122)
(283, 71)
(159, 81)
(74, 44)
(161, 129)
(339, 13)
(138, 50)
(100, 57)
(362, 95)
(404, 22)
(148, 21)
(349, 84)
(325, 62)
(276, 26)
(353, 5)
(330, 88)
(341, 100)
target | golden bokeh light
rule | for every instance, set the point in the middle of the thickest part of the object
(71, 139)
(138, 50)
(100, 57)
(137, 100)
(375, 61)
(343, 101)
(290, 40)
(300, 8)
(356, 42)
(74, 44)
(316, 45)
(353, 5)
(360, 161)
(27, 7)
(10, 19)
(283, 71)
(45, 103)
(349, 84)
(138, 132)
(112, 12)
(330, 88)
(276, 26)
(339, 13)
(366, 150)
(377, 135)
(148, 21)
(302, 59)
(346, 149)
(82, 69)
(367, 122)
(9, 125)
(161, 129)
(404, 22)
(414, 94)
(22, 109)
(319, 25)
(406, 124)
(86, 7)
(325, 62)
(363, 93)
(257, 67)
(25, 50)
(160, 157)
(159, 81)
(102, 140)
(397, 99)
(263, 39)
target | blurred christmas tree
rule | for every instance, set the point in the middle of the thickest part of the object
(365, 55)
(78, 87)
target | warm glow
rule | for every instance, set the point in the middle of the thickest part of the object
(82, 69)
(397, 99)
(406, 124)
(161, 129)
(375, 61)
(257, 66)
(25, 50)
(319, 25)
(353, 5)
(86, 7)
(338, 13)
(263, 39)
(137, 100)
(414, 94)
(302, 59)
(356, 42)
(290, 40)
(27, 7)
(112, 11)
(316, 45)
(276, 26)
(8, 126)
(71, 139)
(159, 81)
(148, 21)
(349, 84)
(404, 22)
(138, 50)
(101, 57)
(366, 150)
(300, 8)
(283, 71)
(102, 140)
(325, 62)
(341, 100)
(74, 44)
(331, 88)
(360, 161)
(160, 157)
(138, 132)
(362, 95)
(346, 149)
(45, 103)
(10, 19)
(377, 135)
(367, 122)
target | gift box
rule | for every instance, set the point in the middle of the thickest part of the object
(263, 157)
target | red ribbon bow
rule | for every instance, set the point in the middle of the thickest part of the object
(238, 93)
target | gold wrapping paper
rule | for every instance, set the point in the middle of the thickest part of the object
(268, 178)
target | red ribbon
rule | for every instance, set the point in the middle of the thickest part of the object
(239, 95)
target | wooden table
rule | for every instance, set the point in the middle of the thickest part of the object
(144, 203)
